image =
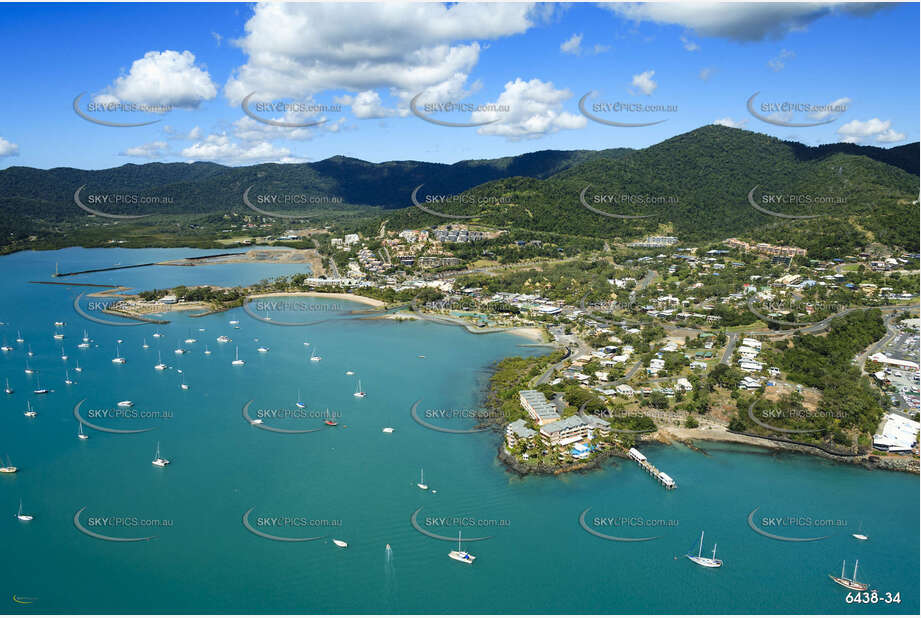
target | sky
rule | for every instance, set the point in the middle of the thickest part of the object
(347, 76)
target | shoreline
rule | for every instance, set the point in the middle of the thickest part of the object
(532, 333)
(340, 295)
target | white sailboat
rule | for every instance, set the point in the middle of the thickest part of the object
(160, 366)
(703, 561)
(5, 347)
(299, 403)
(39, 389)
(31, 353)
(236, 358)
(157, 335)
(859, 535)
(8, 390)
(19, 338)
(387, 429)
(159, 461)
(77, 367)
(30, 412)
(22, 516)
(223, 339)
(9, 468)
(190, 338)
(119, 359)
(63, 354)
(460, 555)
(80, 433)
(359, 392)
(315, 356)
(179, 350)
(86, 337)
(127, 403)
(144, 345)
(59, 336)
(207, 351)
(421, 484)
(67, 379)
(182, 383)
(28, 368)
(849, 583)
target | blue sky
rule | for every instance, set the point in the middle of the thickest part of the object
(365, 63)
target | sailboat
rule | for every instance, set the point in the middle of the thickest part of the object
(191, 339)
(8, 390)
(359, 392)
(299, 403)
(859, 535)
(159, 461)
(460, 555)
(29, 369)
(127, 403)
(144, 345)
(80, 433)
(207, 351)
(9, 468)
(63, 354)
(421, 484)
(182, 383)
(86, 337)
(39, 390)
(119, 359)
(19, 338)
(22, 516)
(31, 353)
(5, 347)
(159, 366)
(328, 420)
(78, 368)
(59, 336)
(223, 339)
(852, 583)
(29, 411)
(157, 335)
(703, 561)
(262, 349)
(315, 357)
(67, 379)
(236, 358)
(179, 350)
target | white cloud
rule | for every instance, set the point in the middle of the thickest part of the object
(573, 45)
(535, 108)
(738, 21)
(778, 63)
(223, 149)
(689, 45)
(163, 78)
(729, 122)
(151, 150)
(857, 131)
(217, 37)
(830, 111)
(705, 73)
(366, 104)
(8, 149)
(600, 49)
(298, 50)
(645, 83)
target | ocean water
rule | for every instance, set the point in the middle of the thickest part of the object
(354, 482)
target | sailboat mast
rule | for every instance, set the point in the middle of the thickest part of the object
(842, 568)
(855, 570)
(458, 539)
(701, 546)
(714, 551)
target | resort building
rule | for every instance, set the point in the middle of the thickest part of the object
(898, 434)
(537, 407)
(518, 431)
(566, 431)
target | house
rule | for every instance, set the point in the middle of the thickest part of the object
(898, 434)
(751, 343)
(683, 384)
(624, 390)
(747, 352)
(749, 365)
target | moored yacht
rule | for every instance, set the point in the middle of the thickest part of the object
(160, 366)
(849, 583)
(421, 484)
(119, 359)
(81, 434)
(159, 461)
(459, 554)
(22, 516)
(223, 339)
(30, 412)
(712, 562)
(8, 390)
(236, 359)
(360, 393)
(127, 403)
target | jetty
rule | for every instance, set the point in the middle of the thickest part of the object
(662, 478)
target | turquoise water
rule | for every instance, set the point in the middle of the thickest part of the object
(360, 482)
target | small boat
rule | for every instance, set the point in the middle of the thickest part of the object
(22, 516)
(306, 343)
(179, 351)
(84, 345)
(349, 373)
(387, 546)
(59, 336)
(78, 368)
(262, 349)
(80, 433)
(223, 339)
(160, 366)
(144, 345)
(8, 390)
(234, 322)
(852, 583)
(329, 421)
(127, 403)
(29, 369)
(159, 461)
(315, 357)
(5, 347)
(67, 379)
(31, 353)
(420, 355)
(119, 359)
(703, 561)
(387, 430)
(182, 383)
(359, 392)
(859, 535)
(460, 555)
(299, 403)
(29, 411)
(339, 543)
(157, 335)
(86, 337)
(236, 360)
(421, 484)
(190, 338)
(59, 324)
(9, 468)
(63, 354)
(256, 421)
(39, 390)
(19, 338)
(207, 351)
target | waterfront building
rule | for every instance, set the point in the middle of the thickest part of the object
(537, 407)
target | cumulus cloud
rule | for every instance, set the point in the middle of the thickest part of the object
(778, 63)
(573, 45)
(298, 50)
(857, 131)
(8, 149)
(689, 45)
(152, 150)
(729, 122)
(535, 108)
(739, 21)
(367, 104)
(221, 148)
(645, 83)
(162, 78)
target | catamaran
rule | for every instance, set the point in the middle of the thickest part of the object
(159, 461)
(859, 535)
(421, 484)
(236, 359)
(299, 403)
(29, 411)
(119, 359)
(80, 433)
(8, 390)
(160, 366)
(460, 555)
(179, 350)
(191, 339)
(9, 468)
(852, 583)
(359, 392)
(315, 357)
(712, 562)
(22, 516)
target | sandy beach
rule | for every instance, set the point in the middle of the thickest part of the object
(343, 296)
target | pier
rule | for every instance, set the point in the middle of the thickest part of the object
(662, 478)
(189, 261)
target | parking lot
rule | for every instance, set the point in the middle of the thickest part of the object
(905, 397)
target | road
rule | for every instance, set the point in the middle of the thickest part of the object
(730, 347)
